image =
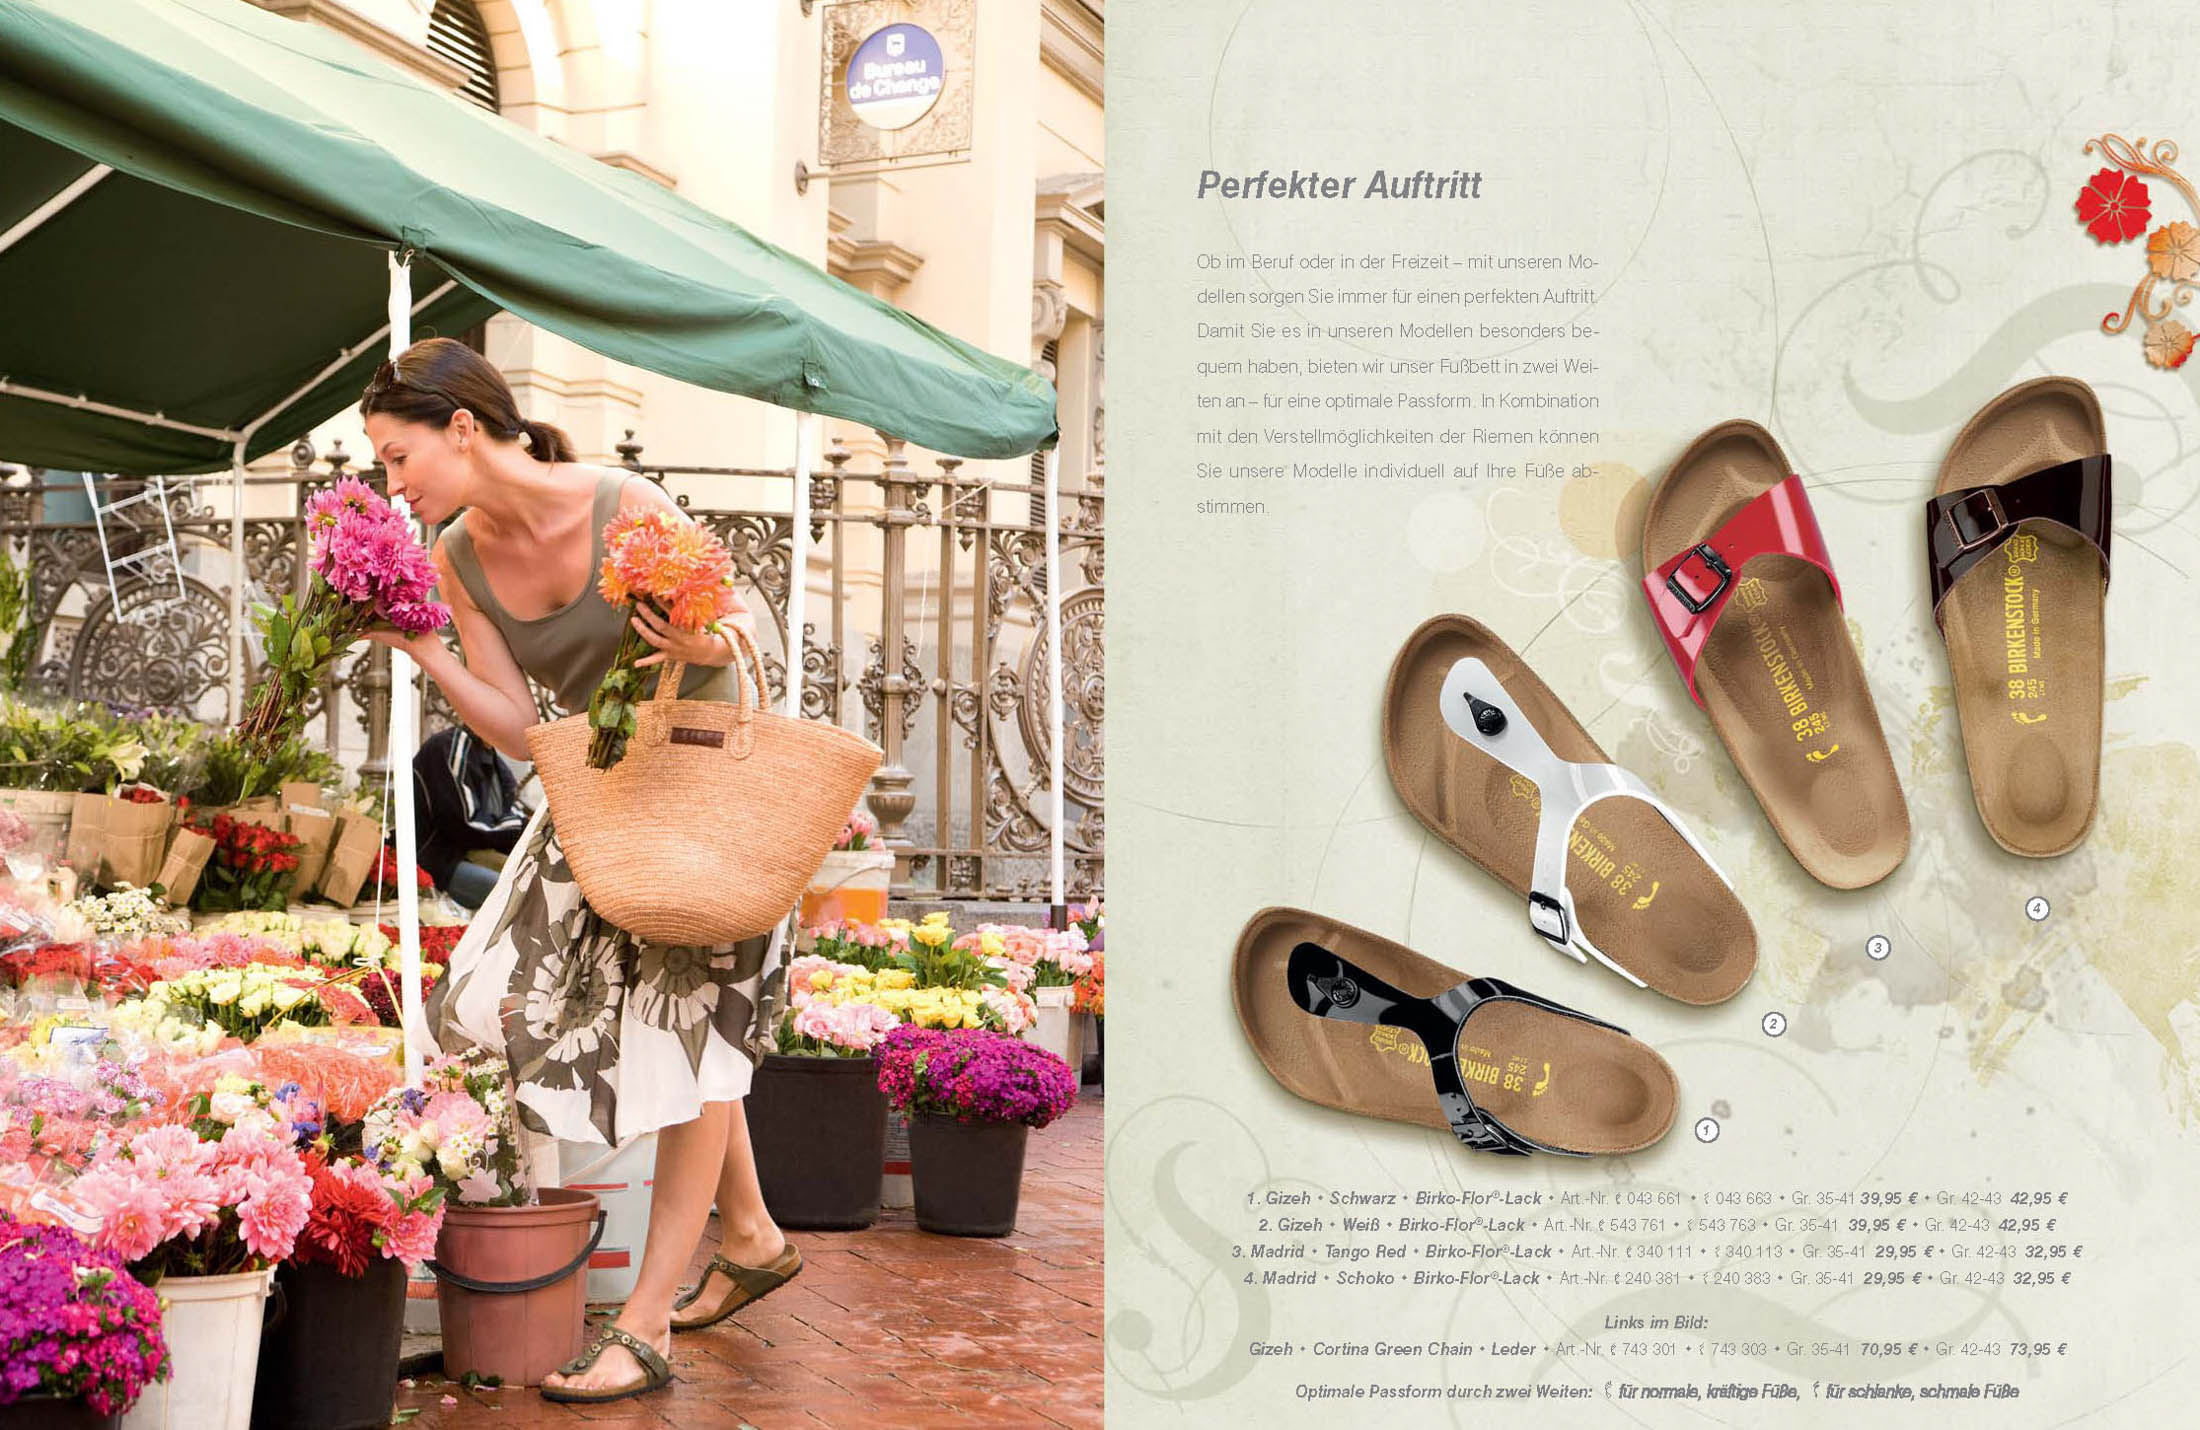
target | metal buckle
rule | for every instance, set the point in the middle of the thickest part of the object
(1718, 567)
(1547, 916)
(1983, 532)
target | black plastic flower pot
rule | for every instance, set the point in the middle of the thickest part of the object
(45, 1412)
(818, 1126)
(329, 1361)
(968, 1175)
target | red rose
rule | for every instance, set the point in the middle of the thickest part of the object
(2113, 206)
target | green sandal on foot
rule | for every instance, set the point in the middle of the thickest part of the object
(750, 1283)
(656, 1370)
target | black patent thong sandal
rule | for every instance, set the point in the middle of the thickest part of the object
(750, 1284)
(656, 1370)
(1352, 1021)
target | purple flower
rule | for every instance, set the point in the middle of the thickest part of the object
(973, 1075)
(73, 1322)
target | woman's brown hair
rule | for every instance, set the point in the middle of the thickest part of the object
(431, 380)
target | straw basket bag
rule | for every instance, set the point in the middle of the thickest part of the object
(710, 826)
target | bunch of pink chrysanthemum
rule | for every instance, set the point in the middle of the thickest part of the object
(174, 1204)
(368, 570)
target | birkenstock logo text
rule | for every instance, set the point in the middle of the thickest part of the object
(1596, 849)
(1791, 683)
(2020, 629)
(1390, 1040)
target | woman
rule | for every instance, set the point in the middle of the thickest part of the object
(607, 1037)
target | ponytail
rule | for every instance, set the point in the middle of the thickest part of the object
(546, 443)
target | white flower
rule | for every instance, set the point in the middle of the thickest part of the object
(288, 997)
(479, 1187)
(457, 1156)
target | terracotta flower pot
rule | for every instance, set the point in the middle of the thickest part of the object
(330, 1361)
(969, 1175)
(46, 1412)
(511, 1287)
(819, 1129)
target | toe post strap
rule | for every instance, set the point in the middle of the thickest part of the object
(1327, 985)
(1479, 710)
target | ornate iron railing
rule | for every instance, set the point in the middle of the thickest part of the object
(945, 659)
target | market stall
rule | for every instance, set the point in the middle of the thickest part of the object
(195, 194)
(215, 223)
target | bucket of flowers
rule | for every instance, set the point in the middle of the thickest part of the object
(330, 1363)
(815, 1116)
(972, 1096)
(1054, 960)
(204, 1209)
(510, 1260)
(82, 1336)
(853, 881)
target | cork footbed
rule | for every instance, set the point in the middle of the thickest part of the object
(2035, 779)
(1557, 1080)
(1643, 896)
(1780, 677)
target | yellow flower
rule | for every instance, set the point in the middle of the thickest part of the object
(821, 978)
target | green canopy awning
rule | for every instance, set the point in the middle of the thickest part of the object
(218, 277)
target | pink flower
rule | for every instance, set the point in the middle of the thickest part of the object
(129, 1209)
(411, 1238)
(193, 1202)
(417, 618)
(269, 1221)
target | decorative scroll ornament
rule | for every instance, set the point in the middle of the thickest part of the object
(2116, 206)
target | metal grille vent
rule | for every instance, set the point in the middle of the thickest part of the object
(456, 33)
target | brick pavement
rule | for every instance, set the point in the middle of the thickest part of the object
(885, 1327)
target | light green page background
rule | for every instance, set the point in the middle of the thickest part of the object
(1852, 222)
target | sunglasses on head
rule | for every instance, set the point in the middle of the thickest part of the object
(387, 376)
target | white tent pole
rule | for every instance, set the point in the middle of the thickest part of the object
(69, 194)
(798, 561)
(401, 742)
(236, 578)
(1054, 661)
(82, 403)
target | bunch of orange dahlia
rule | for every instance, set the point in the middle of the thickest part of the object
(685, 574)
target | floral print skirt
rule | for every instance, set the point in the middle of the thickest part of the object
(608, 1037)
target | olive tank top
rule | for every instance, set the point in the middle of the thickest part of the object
(568, 651)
